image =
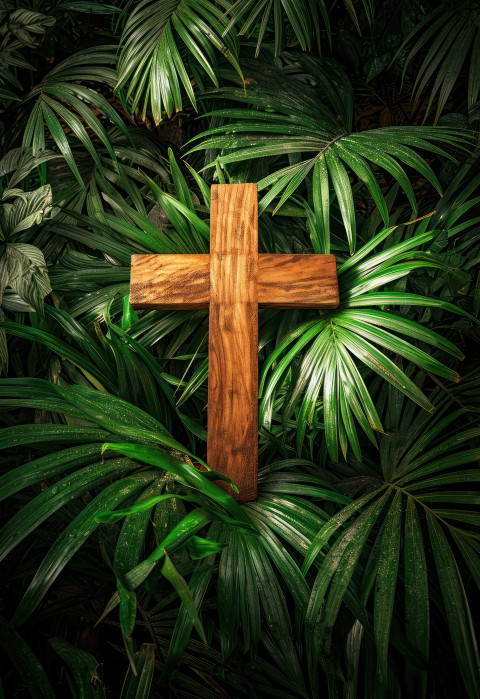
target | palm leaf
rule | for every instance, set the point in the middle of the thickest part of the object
(64, 105)
(278, 123)
(353, 540)
(25, 662)
(331, 347)
(451, 34)
(302, 19)
(82, 668)
(151, 67)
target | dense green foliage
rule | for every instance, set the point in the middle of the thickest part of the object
(127, 570)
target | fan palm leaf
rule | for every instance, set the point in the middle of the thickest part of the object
(278, 123)
(407, 509)
(151, 69)
(89, 466)
(62, 104)
(329, 347)
(451, 33)
(303, 19)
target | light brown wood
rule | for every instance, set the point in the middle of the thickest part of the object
(233, 336)
(233, 281)
(297, 281)
(284, 281)
(170, 281)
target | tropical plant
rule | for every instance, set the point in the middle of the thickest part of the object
(452, 30)
(129, 568)
(22, 266)
(151, 69)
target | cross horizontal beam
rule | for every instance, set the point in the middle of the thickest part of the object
(171, 282)
(232, 281)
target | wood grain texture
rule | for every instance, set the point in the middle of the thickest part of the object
(233, 281)
(297, 281)
(233, 336)
(170, 281)
(284, 281)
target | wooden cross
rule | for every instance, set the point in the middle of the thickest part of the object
(232, 282)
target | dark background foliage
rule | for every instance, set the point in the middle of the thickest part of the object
(125, 570)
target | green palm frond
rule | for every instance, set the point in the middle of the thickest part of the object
(122, 176)
(319, 357)
(301, 17)
(89, 464)
(141, 681)
(81, 668)
(121, 362)
(303, 20)
(64, 106)
(149, 482)
(405, 536)
(151, 67)
(18, 163)
(451, 35)
(289, 118)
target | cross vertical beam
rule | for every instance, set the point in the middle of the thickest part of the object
(233, 281)
(233, 336)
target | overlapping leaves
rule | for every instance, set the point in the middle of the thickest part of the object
(398, 544)
(407, 530)
(22, 265)
(151, 66)
(291, 22)
(18, 29)
(285, 117)
(90, 464)
(320, 357)
(75, 459)
(450, 34)
(63, 104)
